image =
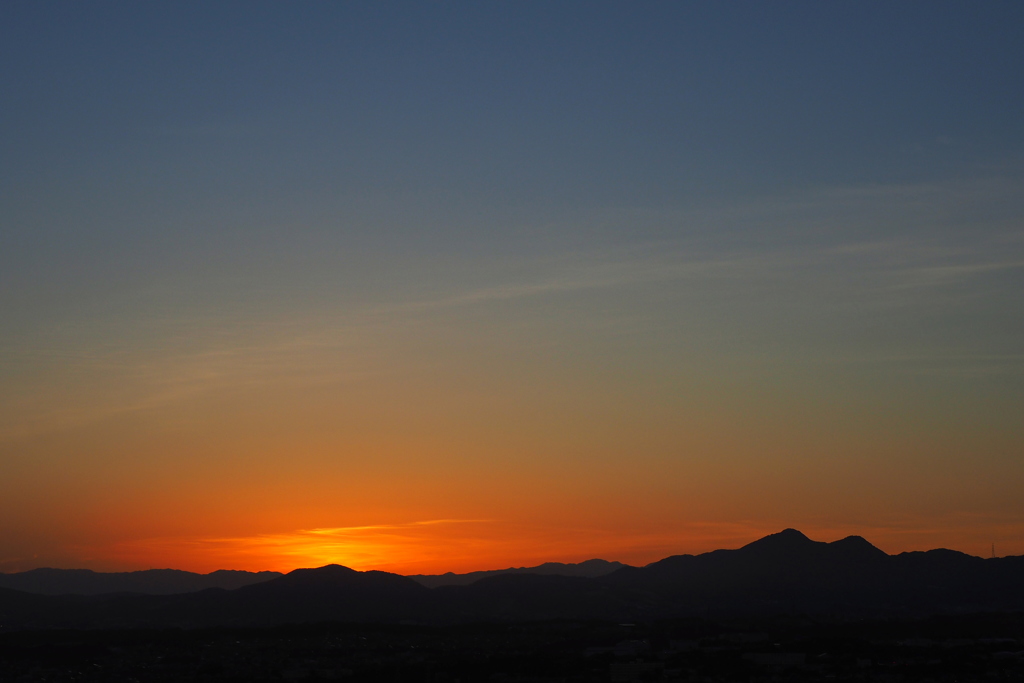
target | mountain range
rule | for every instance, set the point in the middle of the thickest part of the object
(784, 573)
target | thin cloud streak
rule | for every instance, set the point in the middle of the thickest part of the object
(185, 356)
(176, 377)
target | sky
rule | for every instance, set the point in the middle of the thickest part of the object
(433, 287)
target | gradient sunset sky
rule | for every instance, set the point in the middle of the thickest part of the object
(457, 286)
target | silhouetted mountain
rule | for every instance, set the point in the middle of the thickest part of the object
(785, 573)
(789, 573)
(323, 594)
(589, 569)
(150, 582)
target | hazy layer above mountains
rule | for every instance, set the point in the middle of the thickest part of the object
(48, 581)
(589, 569)
(174, 581)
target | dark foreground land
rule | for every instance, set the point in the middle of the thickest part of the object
(952, 648)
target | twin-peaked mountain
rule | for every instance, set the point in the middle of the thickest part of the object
(785, 573)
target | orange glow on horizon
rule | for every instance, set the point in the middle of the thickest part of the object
(465, 545)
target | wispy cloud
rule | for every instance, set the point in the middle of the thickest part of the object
(819, 259)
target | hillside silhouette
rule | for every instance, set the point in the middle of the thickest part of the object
(782, 574)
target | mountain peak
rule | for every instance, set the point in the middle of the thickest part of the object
(791, 533)
(787, 545)
(787, 538)
(858, 545)
(326, 570)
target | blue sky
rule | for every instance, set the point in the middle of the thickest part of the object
(575, 227)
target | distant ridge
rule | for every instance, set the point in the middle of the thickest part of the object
(588, 569)
(149, 582)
